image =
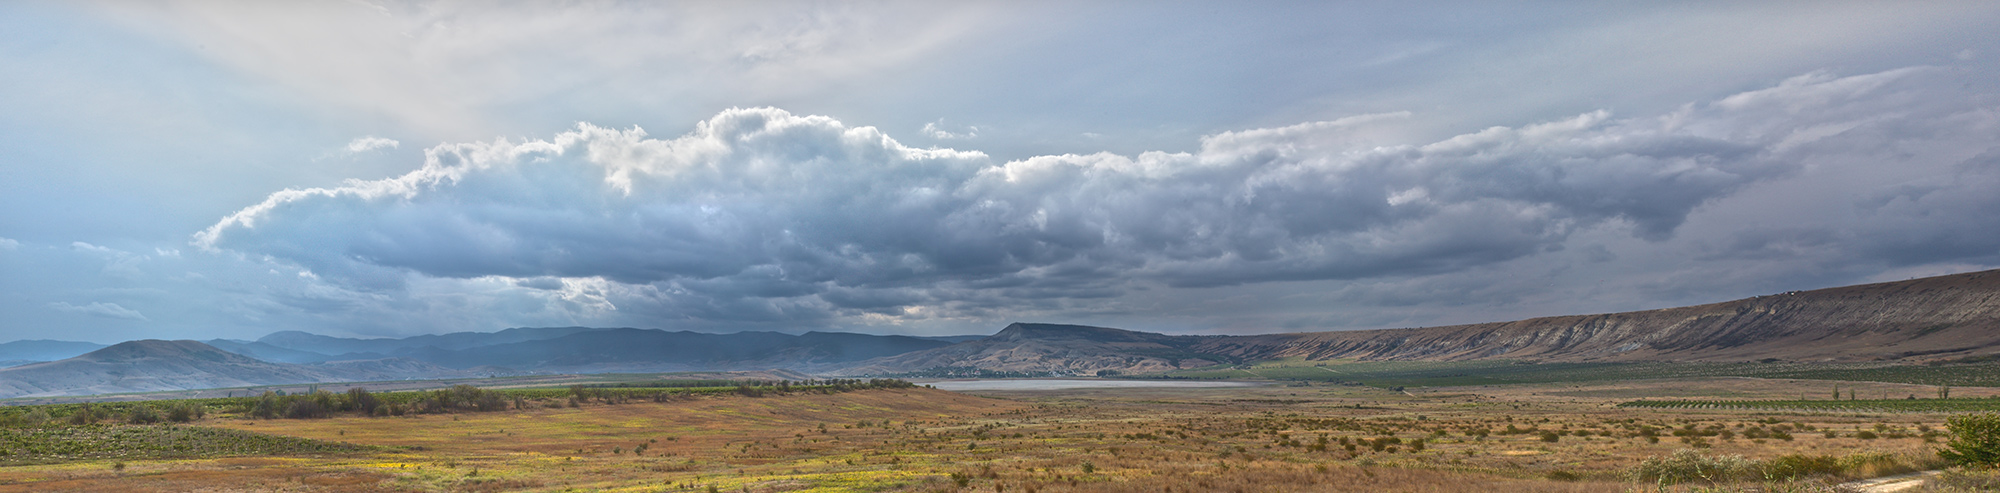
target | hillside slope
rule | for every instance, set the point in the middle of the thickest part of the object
(147, 365)
(154, 365)
(1934, 318)
(1918, 320)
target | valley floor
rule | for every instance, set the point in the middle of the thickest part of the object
(1564, 437)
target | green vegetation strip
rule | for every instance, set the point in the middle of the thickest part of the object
(1500, 372)
(358, 401)
(68, 443)
(1869, 405)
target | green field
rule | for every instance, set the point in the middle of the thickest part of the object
(69, 443)
(1388, 374)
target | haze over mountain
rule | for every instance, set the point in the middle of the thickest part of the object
(30, 351)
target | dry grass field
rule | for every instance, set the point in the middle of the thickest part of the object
(1319, 437)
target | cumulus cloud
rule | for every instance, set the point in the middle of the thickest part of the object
(763, 215)
(100, 309)
(369, 143)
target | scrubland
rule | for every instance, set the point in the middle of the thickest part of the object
(1303, 436)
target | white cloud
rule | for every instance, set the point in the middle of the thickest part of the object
(91, 248)
(369, 143)
(100, 309)
(937, 131)
(762, 216)
(9, 244)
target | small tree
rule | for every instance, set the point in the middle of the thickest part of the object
(1975, 440)
(363, 401)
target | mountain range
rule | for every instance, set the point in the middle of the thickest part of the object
(1919, 320)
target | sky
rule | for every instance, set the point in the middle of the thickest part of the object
(385, 169)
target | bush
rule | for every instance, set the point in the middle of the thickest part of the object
(1795, 466)
(266, 406)
(142, 415)
(182, 412)
(1688, 466)
(1974, 440)
(82, 416)
(1964, 480)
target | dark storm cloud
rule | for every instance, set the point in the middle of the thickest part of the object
(764, 216)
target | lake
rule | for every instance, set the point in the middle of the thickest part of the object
(1077, 383)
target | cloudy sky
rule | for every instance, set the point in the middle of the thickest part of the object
(230, 169)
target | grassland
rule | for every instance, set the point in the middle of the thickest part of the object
(1501, 372)
(1864, 405)
(97, 442)
(1305, 436)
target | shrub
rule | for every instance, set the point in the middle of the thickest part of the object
(1687, 466)
(1795, 466)
(82, 416)
(142, 415)
(1966, 480)
(266, 406)
(306, 409)
(182, 412)
(1974, 440)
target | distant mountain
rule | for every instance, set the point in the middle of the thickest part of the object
(334, 346)
(1935, 318)
(1051, 348)
(269, 352)
(45, 350)
(156, 365)
(585, 349)
(1930, 319)
(146, 365)
(1919, 320)
(658, 350)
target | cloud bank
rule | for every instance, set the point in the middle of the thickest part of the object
(761, 215)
